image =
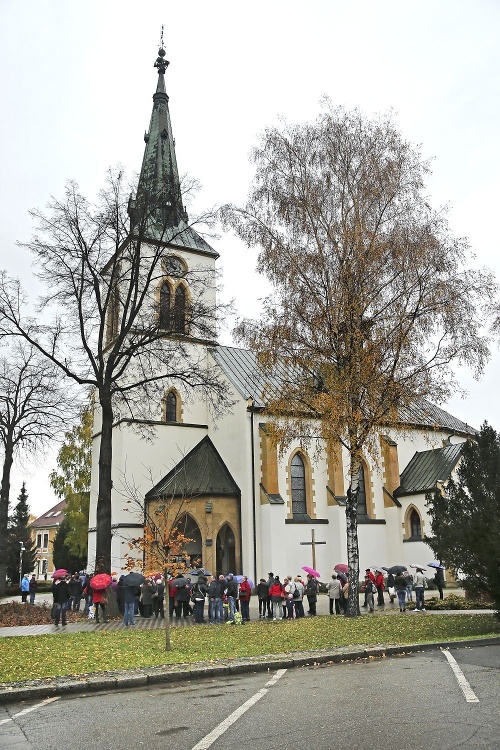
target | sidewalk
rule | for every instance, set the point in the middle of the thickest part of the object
(152, 623)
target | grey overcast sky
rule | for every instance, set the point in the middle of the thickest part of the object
(77, 80)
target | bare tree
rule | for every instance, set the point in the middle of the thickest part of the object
(107, 325)
(34, 410)
(373, 304)
(162, 545)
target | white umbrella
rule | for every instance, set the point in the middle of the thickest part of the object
(418, 567)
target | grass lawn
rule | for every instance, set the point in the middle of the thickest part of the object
(34, 657)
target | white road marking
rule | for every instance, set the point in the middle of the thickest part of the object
(210, 738)
(468, 692)
(29, 710)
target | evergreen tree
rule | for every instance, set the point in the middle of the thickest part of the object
(19, 534)
(465, 517)
(61, 554)
(71, 481)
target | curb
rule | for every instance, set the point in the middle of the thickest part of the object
(178, 673)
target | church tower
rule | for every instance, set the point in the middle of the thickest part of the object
(157, 429)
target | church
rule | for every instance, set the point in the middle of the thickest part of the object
(246, 508)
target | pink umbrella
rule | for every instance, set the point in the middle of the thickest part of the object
(311, 571)
(341, 568)
(60, 573)
(101, 581)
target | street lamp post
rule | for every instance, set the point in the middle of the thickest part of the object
(21, 563)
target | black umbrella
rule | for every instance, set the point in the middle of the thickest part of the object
(396, 569)
(133, 579)
(342, 576)
(178, 582)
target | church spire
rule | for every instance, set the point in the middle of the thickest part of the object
(159, 191)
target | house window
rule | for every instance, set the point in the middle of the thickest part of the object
(38, 540)
(361, 498)
(415, 526)
(45, 541)
(298, 477)
(165, 306)
(171, 407)
(180, 310)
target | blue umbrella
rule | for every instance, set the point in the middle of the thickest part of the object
(436, 565)
(199, 572)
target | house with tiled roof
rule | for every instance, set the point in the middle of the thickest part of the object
(250, 508)
(43, 531)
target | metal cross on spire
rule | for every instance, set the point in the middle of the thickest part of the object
(161, 63)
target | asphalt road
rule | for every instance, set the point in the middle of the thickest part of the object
(420, 701)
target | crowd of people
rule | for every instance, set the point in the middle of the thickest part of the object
(226, 598)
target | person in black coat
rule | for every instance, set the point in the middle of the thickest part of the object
(159, 599)
(199, 592)
(312, 594)
(75, 591)
(61, 594)
(263, 596)
(182, 600)
(119, 595)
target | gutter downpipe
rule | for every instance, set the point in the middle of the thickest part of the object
(250, 408)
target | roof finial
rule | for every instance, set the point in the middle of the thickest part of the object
(161, 63)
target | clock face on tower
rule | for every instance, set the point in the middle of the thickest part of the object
(174, 266)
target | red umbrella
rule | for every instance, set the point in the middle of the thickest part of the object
(60, 573)
(311, 571)
(100, 582)
(342, 568)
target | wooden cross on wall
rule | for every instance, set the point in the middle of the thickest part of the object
(313, 544)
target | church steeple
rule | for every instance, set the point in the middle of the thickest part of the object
(159, 195)
(159, 191)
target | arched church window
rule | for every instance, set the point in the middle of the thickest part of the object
(415, 525)
(193, 547)
(225, 551)
(361, 499)
(180, 310)
(171, 407)
(298, 485)
(165, 306)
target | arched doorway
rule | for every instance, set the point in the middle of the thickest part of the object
(225, 551)
(190, 529)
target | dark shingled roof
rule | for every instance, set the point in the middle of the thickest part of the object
(201, 472)
(242, 369)
(52, 517)
(428, 467)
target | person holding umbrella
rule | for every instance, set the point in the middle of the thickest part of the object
(419, 583)
(61, 594)
(98, 585)
(131, 593)
(380, 584)
(438, 577)
(400, 586)
(334, 587)
(312, 593)
(159, 598)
